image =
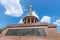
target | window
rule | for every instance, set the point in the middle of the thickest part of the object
(26, 32)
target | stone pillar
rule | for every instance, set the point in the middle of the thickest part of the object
(34, 20)
(26, 21)
(30, 20)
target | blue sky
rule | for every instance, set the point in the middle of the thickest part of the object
(11, 12)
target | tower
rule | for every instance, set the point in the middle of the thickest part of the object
(30, 19)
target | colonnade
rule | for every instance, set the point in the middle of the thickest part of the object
(30, 21)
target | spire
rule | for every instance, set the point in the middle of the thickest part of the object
(30, 14)
(30, 19)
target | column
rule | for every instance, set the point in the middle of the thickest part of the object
(34, 20)
(26, 21)
(30, 20)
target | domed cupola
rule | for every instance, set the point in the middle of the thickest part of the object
(30, 19)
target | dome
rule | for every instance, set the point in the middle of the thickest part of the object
(30, 19)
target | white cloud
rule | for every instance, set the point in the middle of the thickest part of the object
(21, 21)
(34, 14)
(46, 19)
(13, 7)
(57, 22)
(0, 0)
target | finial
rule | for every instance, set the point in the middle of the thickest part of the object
(30, 5)
(30, 14)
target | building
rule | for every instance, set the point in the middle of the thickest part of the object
(30, 29)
